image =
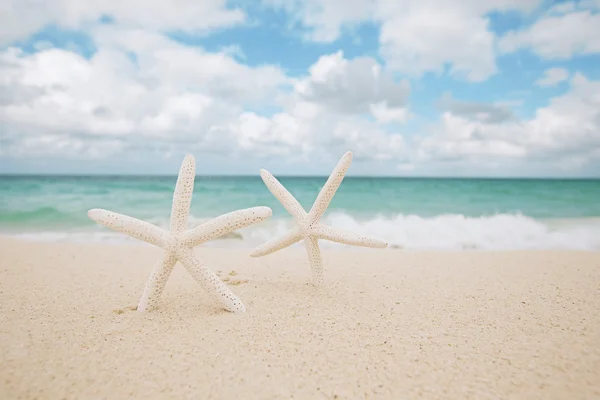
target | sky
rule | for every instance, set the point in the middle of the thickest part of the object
(498, 88)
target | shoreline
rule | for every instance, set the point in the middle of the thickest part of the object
(388, 324)
(431, 236)
(228, 244)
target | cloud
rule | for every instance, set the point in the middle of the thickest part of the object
(483, 112)
(570, 124)
(552, 77)
(332, 109)
(325, 19)
(416, 36)
(159, 59)
(137, 85)
(557, 36)
(314, 137)
(385, 114)
(234, 51)
(49, 145)
(351, 86)
(21, 18)
(566, 133)
(142, 89)
(419, 37)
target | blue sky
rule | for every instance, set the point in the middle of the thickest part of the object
(414, 88)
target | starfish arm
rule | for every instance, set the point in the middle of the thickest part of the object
(330, 187)
(314, 257)
(210, 282)
(182, 197)
(156, 282)
(346, 237)
(286, 199)
(279, 243)
(133, 227)
(224, 224)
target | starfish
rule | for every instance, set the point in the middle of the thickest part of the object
(309, 228)
(178, 242)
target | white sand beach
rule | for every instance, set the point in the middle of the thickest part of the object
(388, 324)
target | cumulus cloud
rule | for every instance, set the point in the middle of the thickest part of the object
(557, 36)
(325, 19)
(352, 86)
(21, 18)
(142, 87)
(423, 36)
(49, 145)
(564, 133)
(416, 36)
(328, 111)
(385, 114)
(482, 112)
(570, 124)
(301, 136)
(453, 36)
(142, 90)
(552, 77)
(138, 84)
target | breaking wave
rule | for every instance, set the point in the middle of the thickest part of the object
(443, 232)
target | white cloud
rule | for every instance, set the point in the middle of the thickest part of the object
(328, 112)
(300, 136)
(570, 6)
(49, 145)
(351, 86)
(424, 36)
(566, 133)
(278, 135)
(180, 67)
(385, 114)
(326, 18)
(173, 97)
(168, 92)
(552, 77)
(21, 18)
(571, 123)
(234, 51)
(416, 35)
(459, 139)
(557, 36)
(483, 112)
(141, 90)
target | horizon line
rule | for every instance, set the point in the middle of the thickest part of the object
(97, 175)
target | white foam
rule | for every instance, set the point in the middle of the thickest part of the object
(457, 232)
(443, 232)
(494, 232)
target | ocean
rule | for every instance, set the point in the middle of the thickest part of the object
(410, 213)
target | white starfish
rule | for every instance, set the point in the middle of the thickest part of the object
(309, 228)
(179, 242)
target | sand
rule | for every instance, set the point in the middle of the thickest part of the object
(389, 324)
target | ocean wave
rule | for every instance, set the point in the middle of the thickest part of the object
(493, 232)
(38, 216)
(442, 232)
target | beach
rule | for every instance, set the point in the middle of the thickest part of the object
(388, 324)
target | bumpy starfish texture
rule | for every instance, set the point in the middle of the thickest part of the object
(309, 228)
(179, 242)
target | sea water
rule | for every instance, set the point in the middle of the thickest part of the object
(410, 213)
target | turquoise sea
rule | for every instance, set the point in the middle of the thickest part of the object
(410, 213)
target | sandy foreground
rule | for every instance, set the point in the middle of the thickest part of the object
(388, 325)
